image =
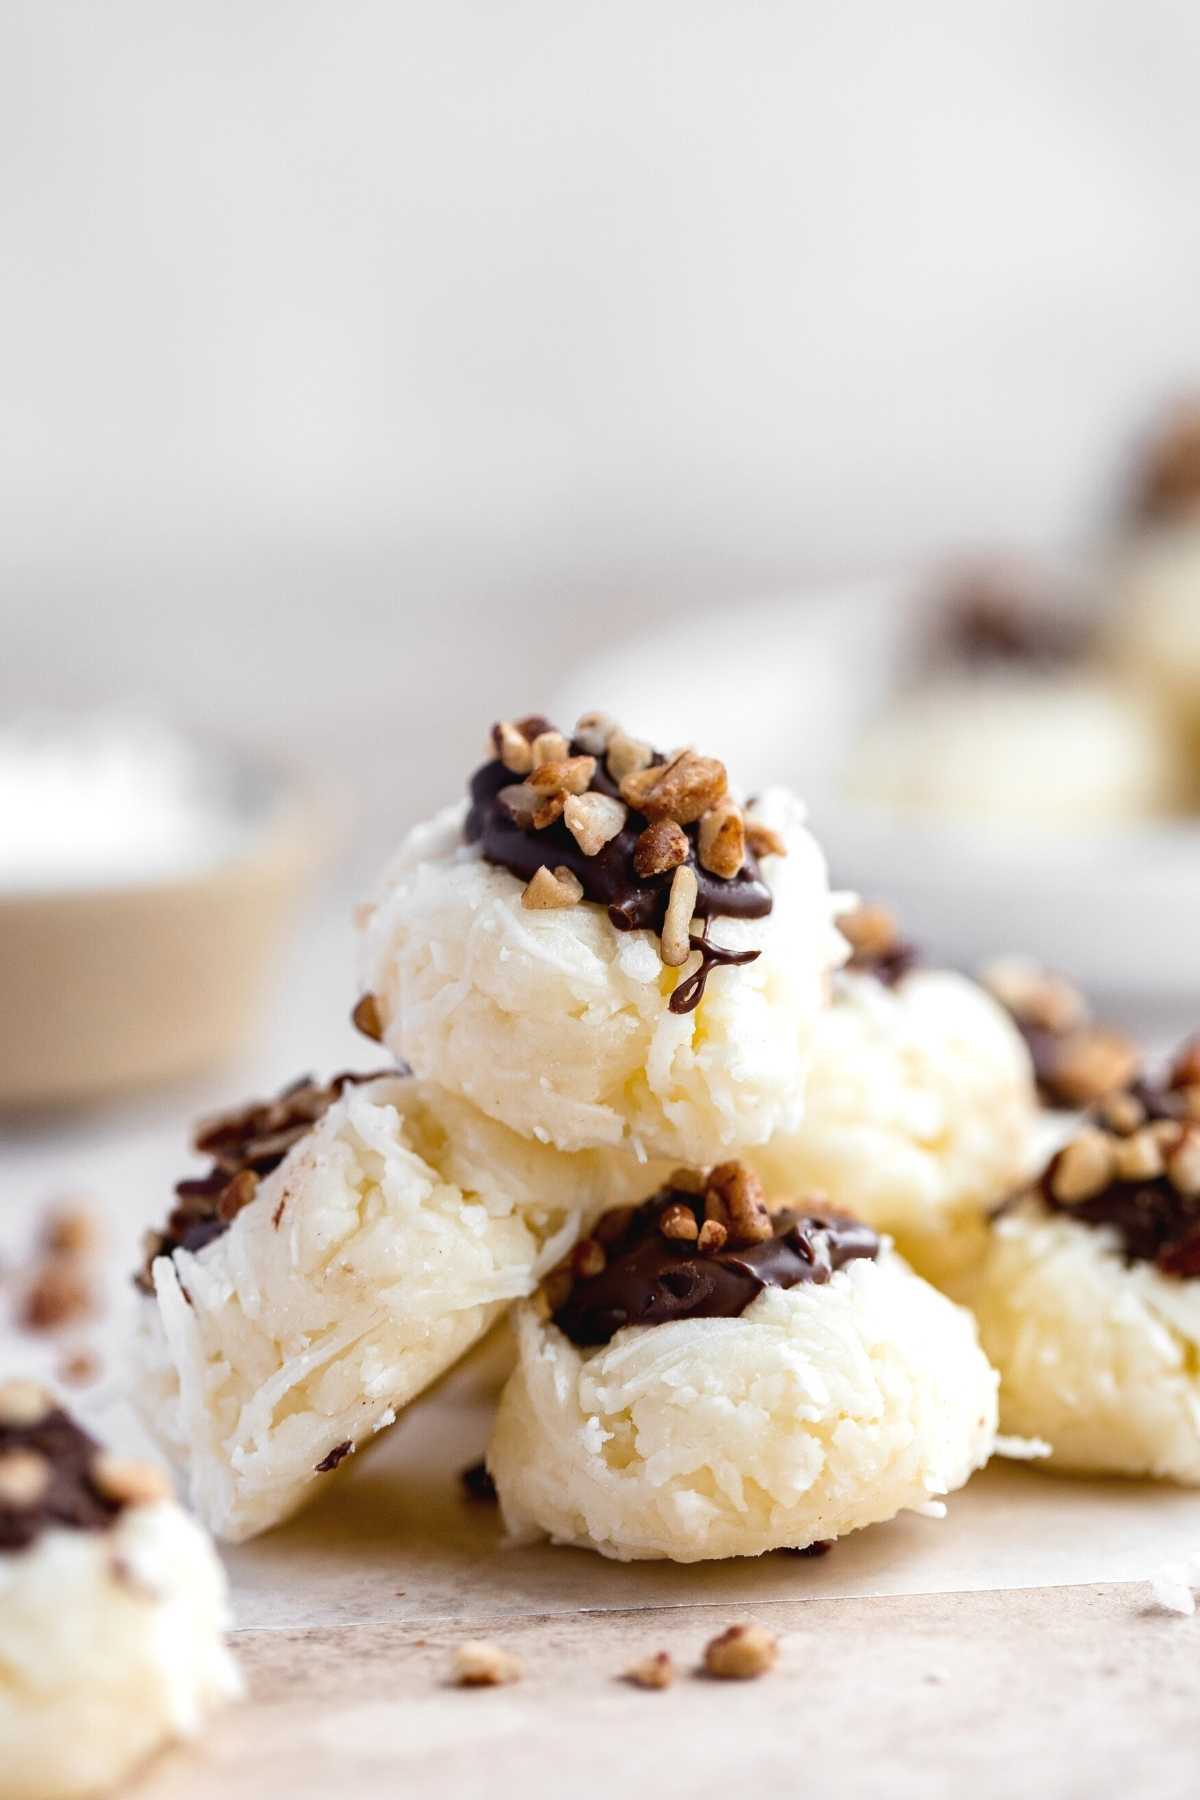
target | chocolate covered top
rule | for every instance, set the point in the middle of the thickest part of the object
(244, 1144)
(1135, 1167)
(49, 1470)
(672, 1258)
(605, 818)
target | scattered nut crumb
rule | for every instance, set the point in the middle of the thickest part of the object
(1035, 995)
(722, 846)
(239, 1193)
(870, 931)
(1084, 1167)
(1094, 1062)
(593, 731)
(368, 1019)
(657, 1671)
(741, 1653)
(661, 847)
(24, 1478)
(763, 839)
(59, 1294)
(24, 1403)
(481, 1664)
(130, 1482)
(688, 1181)
(70, 1231)
(512, 747)
(549, 746)
(683, 789)
(1138, 1158)
(734, 1198)
(675, 943)
(711, 1238)
(1183, 1165)
(588, 1258)
(679, 1222)
(548, 890)
(1123, 1113)
(593, 820)
(626, 755)
(565, 775)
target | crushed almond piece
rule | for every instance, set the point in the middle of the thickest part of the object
(70, 1230)
(594, 732)
(588, 1258)
(1183, 1165)
(626, 756)
(1191, 1099)
(679, 1221)
(661, 847)
(548, 889)
(657, 1671)
(549, 746)
(674, 941)
(1185, 1070)
(1124, 1113)
(1094, 1062)
(764, 840)
(711, 1238)
(593, 820)
(1138, 1158)
(549, 811)
(722, 847)
(512, 747)
(683, 789)
(1034, 995)
(128, 1481)
(565, 775)
(688, 1181)
(870, 930)
(24, 1478)
(1084, 1167)
(735, 1196)
(239, 1193)
(478, 1663)
(24, 1403)
(59, 1294)
(741, 1653)
(368, 1019)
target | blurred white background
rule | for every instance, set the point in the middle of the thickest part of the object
(367, 364)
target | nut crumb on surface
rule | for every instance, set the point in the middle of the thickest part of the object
(551, 888)
(23, 1403)
(59, 1294)
(24, 1478)
(368, 1019)
(741, 1653)
(656, 1671)
(675, 938)
(129, 1481)
(478, 1663)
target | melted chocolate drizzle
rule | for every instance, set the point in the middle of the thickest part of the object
(70, 1497)
(650, 1279)
(634, 902)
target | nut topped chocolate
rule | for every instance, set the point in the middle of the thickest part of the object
(1135, 1167)
(605, 817)
(53, 1474)
(703, 1247)
(1076, 1060)
(245, 1144)
(876, 945)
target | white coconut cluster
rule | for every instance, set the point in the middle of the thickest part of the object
(110, 1647)
(1098, 1356)
(389, 1240)
(819, 1410)
(558, 1025)
(920, 1115)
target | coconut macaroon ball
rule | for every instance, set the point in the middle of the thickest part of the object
(112, 1609)
(921, 1109)
(707, 1379)
(602, 948)
(1088, 1300)
(350, 1243)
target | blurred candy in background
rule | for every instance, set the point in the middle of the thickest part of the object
(366, 376)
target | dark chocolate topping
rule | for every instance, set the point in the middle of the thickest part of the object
(634, 902)
(69, 1496)
(650, 1279)
(245, 1145)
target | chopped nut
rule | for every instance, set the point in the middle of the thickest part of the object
(1183, 1166)
(129, 1482)
(239, 1193)
(512, 747)
(870, 930)
(735, 1195)
(588, 1258)
(1185, 1070)
(660, 847)
(688, 1181)
(678, 1221)
(368, 1018)
(480, 1664)
(1093, 1062)
(70, 1231)
(712, 1237)
(722, 841)
(1123, 1113)
(24, 1478)
(626, 755)
(549, 746)
(550, 811)
(557, 1287)
(593, 732)
(59, 1293)
(657, 1671)
(1034, 995)
(564, 775)
(24, 1403)
(683, 789)
(547, 890)
(1083, 1168)
(763, 839)
(1138, 1158)
(675, 943)
(613, 1225)
(741, 1653)
(593, 820)
(1191, 1099)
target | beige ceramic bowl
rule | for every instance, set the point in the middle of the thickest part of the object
(112, 987)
